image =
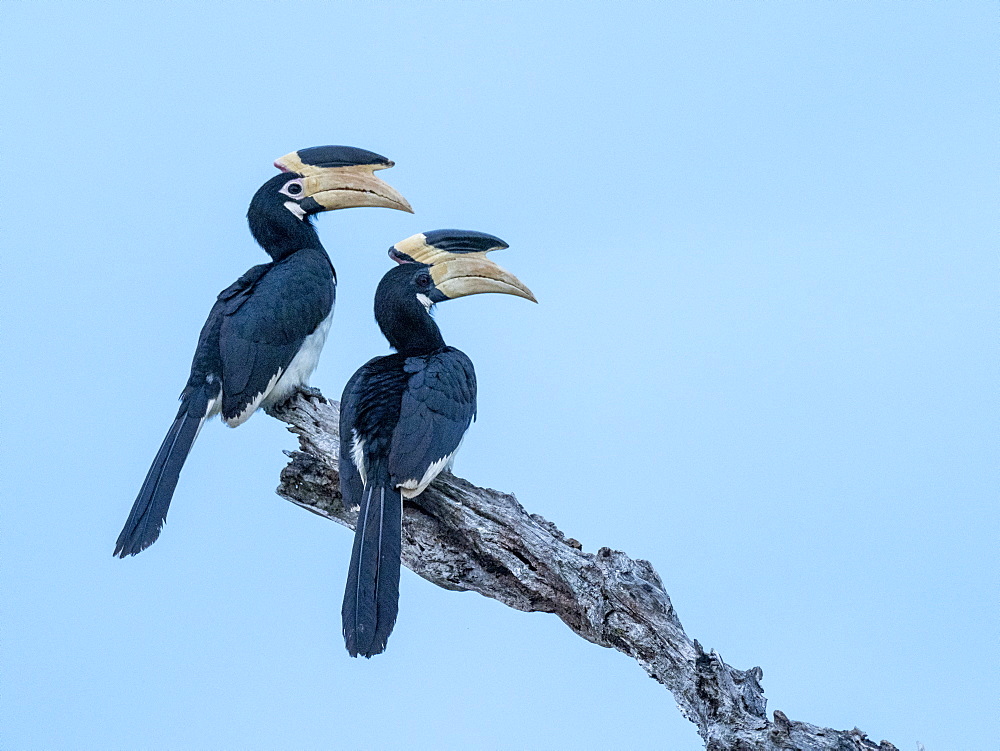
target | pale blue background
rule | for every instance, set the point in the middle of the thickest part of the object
(764, 240)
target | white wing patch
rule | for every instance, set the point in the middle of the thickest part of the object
(358, 456)
(413, 488)
(214, 407)
(243, 416)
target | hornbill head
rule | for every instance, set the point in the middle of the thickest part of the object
(452, 263)
(336, 177)
(318, 179)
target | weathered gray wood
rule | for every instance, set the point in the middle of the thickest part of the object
(463, 537)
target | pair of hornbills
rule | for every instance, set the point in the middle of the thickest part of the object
(402, 416)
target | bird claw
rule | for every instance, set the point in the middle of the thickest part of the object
(310, 392)
(306, 392)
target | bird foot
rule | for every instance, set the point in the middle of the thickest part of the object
(309, 392)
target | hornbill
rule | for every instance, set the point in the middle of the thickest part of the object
(263, 337)
(403, 416)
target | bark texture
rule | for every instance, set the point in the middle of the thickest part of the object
(462, 537)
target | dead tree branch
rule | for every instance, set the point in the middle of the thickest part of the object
(463, 537)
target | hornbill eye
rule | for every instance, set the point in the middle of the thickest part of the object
(424, 280)
(293, 188)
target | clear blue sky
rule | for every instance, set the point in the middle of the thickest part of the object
(764, 240)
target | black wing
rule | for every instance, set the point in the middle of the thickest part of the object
(369, 409)
(351, 485)
(264, 324)
(437, 407)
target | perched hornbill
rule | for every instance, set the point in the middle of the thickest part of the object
(263, 337)
(403, 416)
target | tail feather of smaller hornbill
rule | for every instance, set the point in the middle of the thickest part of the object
(149, 512)
(372, 594)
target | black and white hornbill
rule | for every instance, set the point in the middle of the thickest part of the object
(263, 337)
(403, 416)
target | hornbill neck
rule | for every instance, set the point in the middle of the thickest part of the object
(279, 232)
(407, 324)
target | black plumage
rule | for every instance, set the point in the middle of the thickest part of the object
(265, 332)
(403, 416)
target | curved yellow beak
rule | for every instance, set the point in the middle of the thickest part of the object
(472, 274)
(342, 186)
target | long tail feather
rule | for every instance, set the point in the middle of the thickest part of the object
(371, 601)
(149, 511)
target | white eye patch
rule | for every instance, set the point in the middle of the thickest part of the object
(293, 189)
